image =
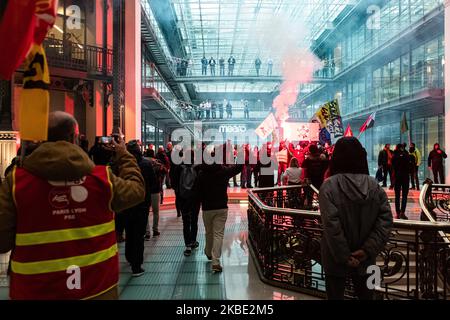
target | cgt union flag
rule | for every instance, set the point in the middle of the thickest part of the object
(34, 102)
(28, 21)
(16, 34)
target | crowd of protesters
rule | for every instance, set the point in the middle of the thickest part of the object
(402, 165)
(108, 190)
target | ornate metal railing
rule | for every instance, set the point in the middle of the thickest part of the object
(285, 233)
(435, 202)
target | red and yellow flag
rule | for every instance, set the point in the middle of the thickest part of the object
(35, 100)
(16, 33)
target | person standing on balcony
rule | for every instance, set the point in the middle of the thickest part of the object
(246, 110)
(229, 110)
(436, 163)
(202, 110)
(189, 112)
(356, 218)
(212, 66)
(269, 67)
(208, 109)
(257, 65)
(199, 110)
(184, 66)
(204, 66)
(221, 106)
(222, 66)
(213, 110)
(231, 63)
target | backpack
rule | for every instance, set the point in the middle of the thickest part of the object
(188, 178)
(379, 175)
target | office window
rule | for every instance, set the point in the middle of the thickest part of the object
(417, 65)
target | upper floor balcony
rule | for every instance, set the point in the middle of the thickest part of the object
(96, 62)
(193, 71)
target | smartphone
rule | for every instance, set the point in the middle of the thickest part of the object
(106, 140)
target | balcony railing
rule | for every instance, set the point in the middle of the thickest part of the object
(73, 56)
(285, 232)
(183, 68)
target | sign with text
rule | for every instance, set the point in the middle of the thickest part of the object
(267, 127)
(336, 124)
(301, 131)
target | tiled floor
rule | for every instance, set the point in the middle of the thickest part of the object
(171, 275)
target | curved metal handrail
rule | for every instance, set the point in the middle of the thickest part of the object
(404, 224)
(423, 206)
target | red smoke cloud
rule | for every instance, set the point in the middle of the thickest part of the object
(297, 68)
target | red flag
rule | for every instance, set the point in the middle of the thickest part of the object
(46, 17)
(368, 124)
(348, 131)
(34, 102)
(16, 33)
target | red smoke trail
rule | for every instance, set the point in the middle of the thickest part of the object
(297, 68)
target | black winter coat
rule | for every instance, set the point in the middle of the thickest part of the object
(401, 165)
(213, 184)
(436, 160)
(355, 215)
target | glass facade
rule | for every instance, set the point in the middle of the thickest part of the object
(419, 69)
(407, 78)
(66, 28)
(382, 25)
(379, 61)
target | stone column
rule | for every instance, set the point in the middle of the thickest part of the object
(133, 69)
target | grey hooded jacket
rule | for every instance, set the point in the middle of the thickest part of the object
(355, 215)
